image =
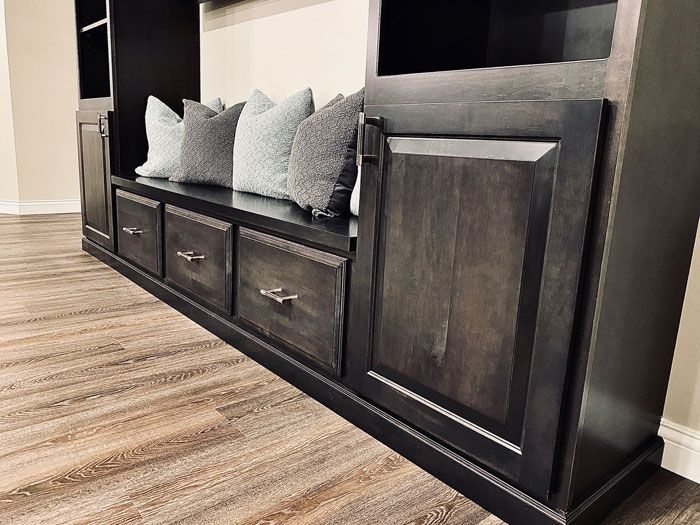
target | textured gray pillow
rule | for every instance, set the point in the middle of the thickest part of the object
(164, 130)
(264, 141)
(322, 169)
(206, 156)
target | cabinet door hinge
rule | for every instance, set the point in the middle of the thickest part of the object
(364, 121)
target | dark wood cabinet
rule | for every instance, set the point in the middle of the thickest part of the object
(476, 257)
(523, 209)
(125, 51)
(504, 313)
(95, 181)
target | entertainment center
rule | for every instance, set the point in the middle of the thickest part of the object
(504, 310)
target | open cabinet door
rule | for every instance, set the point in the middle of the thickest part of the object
(472, 230)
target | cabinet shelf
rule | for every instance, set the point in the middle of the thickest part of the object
(94, 25)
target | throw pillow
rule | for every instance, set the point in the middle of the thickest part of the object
(322, 169)
(164, 130)
(206, 156)
(264, 141)
(355, 197)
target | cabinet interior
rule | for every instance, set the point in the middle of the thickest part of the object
(444, 35)
(93, 53)
(90, 11)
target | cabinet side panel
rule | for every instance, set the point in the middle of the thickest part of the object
(155, 52)
(653, 218)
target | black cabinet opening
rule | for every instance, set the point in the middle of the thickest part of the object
(93, 54)
(444, 35)
(90, 12)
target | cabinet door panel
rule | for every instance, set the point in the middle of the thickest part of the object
(95, 184)
(464, 252)
(469, 251)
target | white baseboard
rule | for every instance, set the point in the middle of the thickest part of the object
(681, 450)
(40, 207)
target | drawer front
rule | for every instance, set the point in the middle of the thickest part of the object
(139, 231)
(294, 294)
(198, 257)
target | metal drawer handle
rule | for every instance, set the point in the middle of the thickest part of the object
(132, 231)
(272, 294)
(190, 256)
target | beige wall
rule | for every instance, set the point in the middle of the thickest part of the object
(43, 80)
(9, 190)
(683, 399)
(282, 46)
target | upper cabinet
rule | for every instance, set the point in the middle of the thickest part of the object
(419, 37)
(128, 50)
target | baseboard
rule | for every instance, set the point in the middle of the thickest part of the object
(9, 207)
(15, 207)
(682, 450)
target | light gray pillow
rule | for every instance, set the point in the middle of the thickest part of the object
(206, 156)
(322, 169)
(164, 130)
(264, 141)
(355, 197)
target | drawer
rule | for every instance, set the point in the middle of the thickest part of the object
(198, 257)
(139, 231)
(293, 294)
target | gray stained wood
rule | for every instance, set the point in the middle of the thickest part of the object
(311, 322)
(114, 408)
(139, 230)
(95, 187)
(198, 256)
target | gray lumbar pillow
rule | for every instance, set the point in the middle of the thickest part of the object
(164, 130)
(322, 169)
(355, 197)
(206, 156)
(264, 141)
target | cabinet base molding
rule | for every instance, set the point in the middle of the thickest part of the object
(479, 485)
(682, 450)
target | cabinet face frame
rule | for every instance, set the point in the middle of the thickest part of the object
(594, 78)
(575, 126)
(96, 123)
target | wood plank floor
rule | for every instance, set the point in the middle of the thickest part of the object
(114, 408)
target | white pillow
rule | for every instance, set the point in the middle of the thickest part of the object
(164, 130)
(264, 139)
(355, 196)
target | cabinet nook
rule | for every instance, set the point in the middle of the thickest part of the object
(504, 310)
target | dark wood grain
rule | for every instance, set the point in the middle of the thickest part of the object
(143, 217)
(650, 244)
(438, 203)
(95, 185)
(210, 277)
(312, 323)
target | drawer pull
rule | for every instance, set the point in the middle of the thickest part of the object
(272, 294)
(190, 256)
(133, 231)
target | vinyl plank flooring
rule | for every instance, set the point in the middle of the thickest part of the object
(116, 409)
